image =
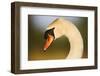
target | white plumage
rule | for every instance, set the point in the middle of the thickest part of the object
(67, 28)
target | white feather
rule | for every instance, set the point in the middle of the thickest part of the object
(67, 28)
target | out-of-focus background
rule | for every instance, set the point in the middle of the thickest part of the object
(59, 49)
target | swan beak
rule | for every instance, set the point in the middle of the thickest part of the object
(48, 41)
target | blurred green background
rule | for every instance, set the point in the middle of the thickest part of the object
(59, 49)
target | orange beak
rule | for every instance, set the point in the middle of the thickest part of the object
(48, 42)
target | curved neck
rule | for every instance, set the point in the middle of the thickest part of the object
(67, 28)
(76, 41)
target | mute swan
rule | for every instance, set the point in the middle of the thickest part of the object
(60, 27)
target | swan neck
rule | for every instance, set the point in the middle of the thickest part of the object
(76, 42)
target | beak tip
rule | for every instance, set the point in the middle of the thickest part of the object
(44, 49)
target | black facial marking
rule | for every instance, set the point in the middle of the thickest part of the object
(50, 32)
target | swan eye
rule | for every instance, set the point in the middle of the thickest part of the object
(49, 32)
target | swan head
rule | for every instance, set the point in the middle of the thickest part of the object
(49, 37)
(53, 31)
